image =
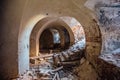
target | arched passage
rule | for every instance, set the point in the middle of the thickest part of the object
(54, 38)
(46, 41)
(36, 28)
(41, 24)
(33, 11)
(40, 27)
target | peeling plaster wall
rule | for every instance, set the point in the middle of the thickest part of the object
(109, 18)
(76, 28)
(91, 3)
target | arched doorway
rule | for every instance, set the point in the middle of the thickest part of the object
(55, 39)
(62, 27)
(45, 23)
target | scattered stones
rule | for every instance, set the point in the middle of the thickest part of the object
(45, 67)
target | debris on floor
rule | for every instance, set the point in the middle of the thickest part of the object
(55, 66)
(45, 71)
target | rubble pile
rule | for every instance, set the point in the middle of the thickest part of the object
(45, 71)
(55, 66)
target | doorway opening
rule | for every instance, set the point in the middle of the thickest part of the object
(60, 46)
(54, 39)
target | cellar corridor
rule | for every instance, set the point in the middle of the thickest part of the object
(60, 40)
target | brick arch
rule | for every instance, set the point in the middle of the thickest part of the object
(92, 35)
